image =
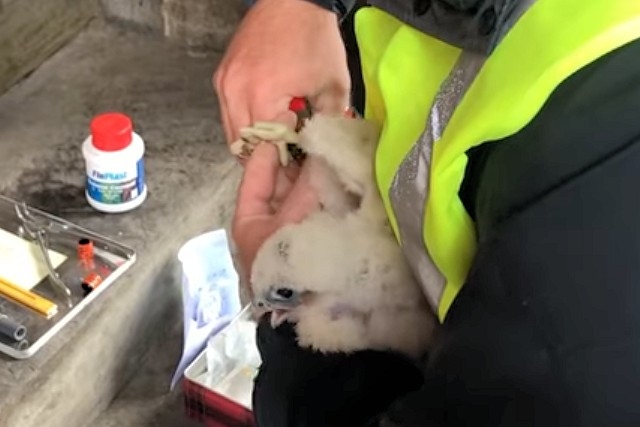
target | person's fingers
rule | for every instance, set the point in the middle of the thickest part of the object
(301, 201)
(234, 102)
(249, 235)
(289, 174)
(238, 117)
(264, 108)
(239, 111)
(225, 119)
(292, 171)
(284, 184)
(333, 98)
(258, 182)
(218, 85)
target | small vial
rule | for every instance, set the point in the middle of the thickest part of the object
(85, 249)
(114, 157)
(91, 281)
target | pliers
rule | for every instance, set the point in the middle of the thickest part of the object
(37, 230)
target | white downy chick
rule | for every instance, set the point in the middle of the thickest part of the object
(340, 274)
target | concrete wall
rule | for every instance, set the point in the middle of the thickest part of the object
(32, 30)
(202, 26)
(142, 14)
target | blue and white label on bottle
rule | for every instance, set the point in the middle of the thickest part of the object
(116, 186)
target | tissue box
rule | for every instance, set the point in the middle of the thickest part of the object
(223, 399)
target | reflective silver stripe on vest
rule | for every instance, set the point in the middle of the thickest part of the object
(410, 187)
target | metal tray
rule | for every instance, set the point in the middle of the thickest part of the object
(111, 260)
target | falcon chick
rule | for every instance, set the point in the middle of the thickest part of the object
(340, 275)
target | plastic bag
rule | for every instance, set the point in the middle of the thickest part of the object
(210, 293)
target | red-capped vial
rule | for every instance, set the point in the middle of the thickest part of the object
(114, 158)
(302, 108)
(85, 253)
(91, 281)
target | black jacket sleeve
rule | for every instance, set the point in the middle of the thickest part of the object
(297, 387)
(546, 332)
(340, 7)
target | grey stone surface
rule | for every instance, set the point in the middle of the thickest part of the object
(203, 26)
(32, 30)
(144, 15)
(134, 326)
(145, 401)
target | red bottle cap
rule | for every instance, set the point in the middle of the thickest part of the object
(111, 131)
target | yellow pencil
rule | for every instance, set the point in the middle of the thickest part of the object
(27, 298)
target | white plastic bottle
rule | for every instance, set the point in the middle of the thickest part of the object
(114, 158)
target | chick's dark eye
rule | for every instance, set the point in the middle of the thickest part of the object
(284, 293)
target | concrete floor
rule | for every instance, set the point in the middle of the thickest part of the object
(192, 180)
(145, 400)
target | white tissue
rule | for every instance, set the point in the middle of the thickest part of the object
(233, 360)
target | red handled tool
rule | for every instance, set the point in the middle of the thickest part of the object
(302, 108)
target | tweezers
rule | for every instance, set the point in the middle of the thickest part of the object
(37, 230)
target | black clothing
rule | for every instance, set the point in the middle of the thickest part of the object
(546, 330)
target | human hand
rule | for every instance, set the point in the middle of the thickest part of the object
(269, 197)
(282, 49)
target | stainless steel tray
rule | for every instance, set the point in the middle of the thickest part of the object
(111, 260)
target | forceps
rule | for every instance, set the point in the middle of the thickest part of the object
(37, 230)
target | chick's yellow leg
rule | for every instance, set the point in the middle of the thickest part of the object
(276, 133)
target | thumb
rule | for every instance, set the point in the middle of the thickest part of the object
(332, 99)
(301, 201)
(274, 112)
(258, 183)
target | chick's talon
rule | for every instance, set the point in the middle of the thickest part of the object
(272, 127)
(276, 133)
(237, 148)
(279, 130)
(283, 152)
(271, 132)
(242, 148)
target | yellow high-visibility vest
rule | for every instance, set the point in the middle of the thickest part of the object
(410, 78)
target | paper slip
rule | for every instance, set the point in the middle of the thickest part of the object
(21, 261)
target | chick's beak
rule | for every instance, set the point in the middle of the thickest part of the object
(278, 317)
(281, 303)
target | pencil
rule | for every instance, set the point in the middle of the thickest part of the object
(27, 298)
